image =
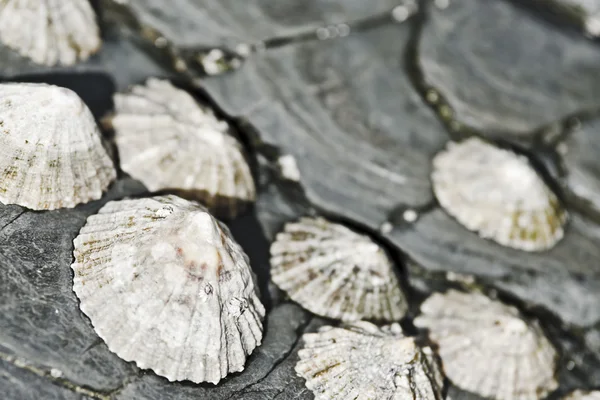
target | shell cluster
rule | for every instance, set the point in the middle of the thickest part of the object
(50, 32)
(166, 286)
(167, 140)
(52, 155)
(487, 348)
(335, 272)
(498, 194)
(362, 361)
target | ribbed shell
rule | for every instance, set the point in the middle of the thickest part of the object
(51, 152)
(487, 348)
(335, 272)
(50, 32)
(582, 395)
(362, 361)
(497, 193)
(169, 141)
(166, 286)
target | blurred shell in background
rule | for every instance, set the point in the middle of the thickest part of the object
(168, 141)
(487, 348)
(498, 194)
(335, 272)
(362, 361)
(165, 285)
(581, 395)
(50, 32)
(51, 150)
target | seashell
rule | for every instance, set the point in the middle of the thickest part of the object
(362, 361)
(581, 395)
(52, 153)
(497, 193)
(335, 272)
(169, 141)
(487, 348)
(50, 32)
(165, 285)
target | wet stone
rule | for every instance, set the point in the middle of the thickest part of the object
(348, 114)
(503, 68)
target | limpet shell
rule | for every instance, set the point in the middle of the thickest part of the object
(165, 285)
(50, 32)
(487, 348)
(361, 361)
(498, 194)
(51, 154)
(335, 272)
(582, 395)
(167, 140)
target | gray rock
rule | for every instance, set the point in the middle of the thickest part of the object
(503, 69)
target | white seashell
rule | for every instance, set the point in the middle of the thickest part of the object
(497, 193)
(487, 348)
(335, 272)
(51, 154)
(166, 286)
(169, 141)
(362, 361)
(581, 395)
(50, 32)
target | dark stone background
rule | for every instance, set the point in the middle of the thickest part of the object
(362, 115)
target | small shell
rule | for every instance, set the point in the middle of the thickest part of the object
(335, 272)
(51, 149)
(166, 286)
(50, 32)
(169, 141)
(362, 361)
(487, 348)
(496, 193)
(581, 395)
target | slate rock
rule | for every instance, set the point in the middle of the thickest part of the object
(503, 69)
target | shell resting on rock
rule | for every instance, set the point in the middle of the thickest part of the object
(168, 141)
(498, 194)
(361, 361)
(487, 348)
(166, 286)
(335, 272)
(51, 150)
(50, 32)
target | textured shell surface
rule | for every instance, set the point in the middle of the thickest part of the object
(50, 32)
(487, 348)
(498, 194)
(165, 285)
(167, 140)
(362, 361)
(335, 272)
(583, 395)
(51, 151)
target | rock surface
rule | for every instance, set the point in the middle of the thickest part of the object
(356, 114)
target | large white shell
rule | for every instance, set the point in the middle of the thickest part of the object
(169, 141)
(497, 193)
(50, 31)
(362, 361)
(166, 286)
(335, 272)
(581, 395)
(487, 348)
(51, 152)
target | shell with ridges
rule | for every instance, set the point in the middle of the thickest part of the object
(51, 151)
(335, 272)
(50, 32)
(582, 395)
(487, 348)
(166, 286)
(361, 361)
(167, 140)
(498, 194)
